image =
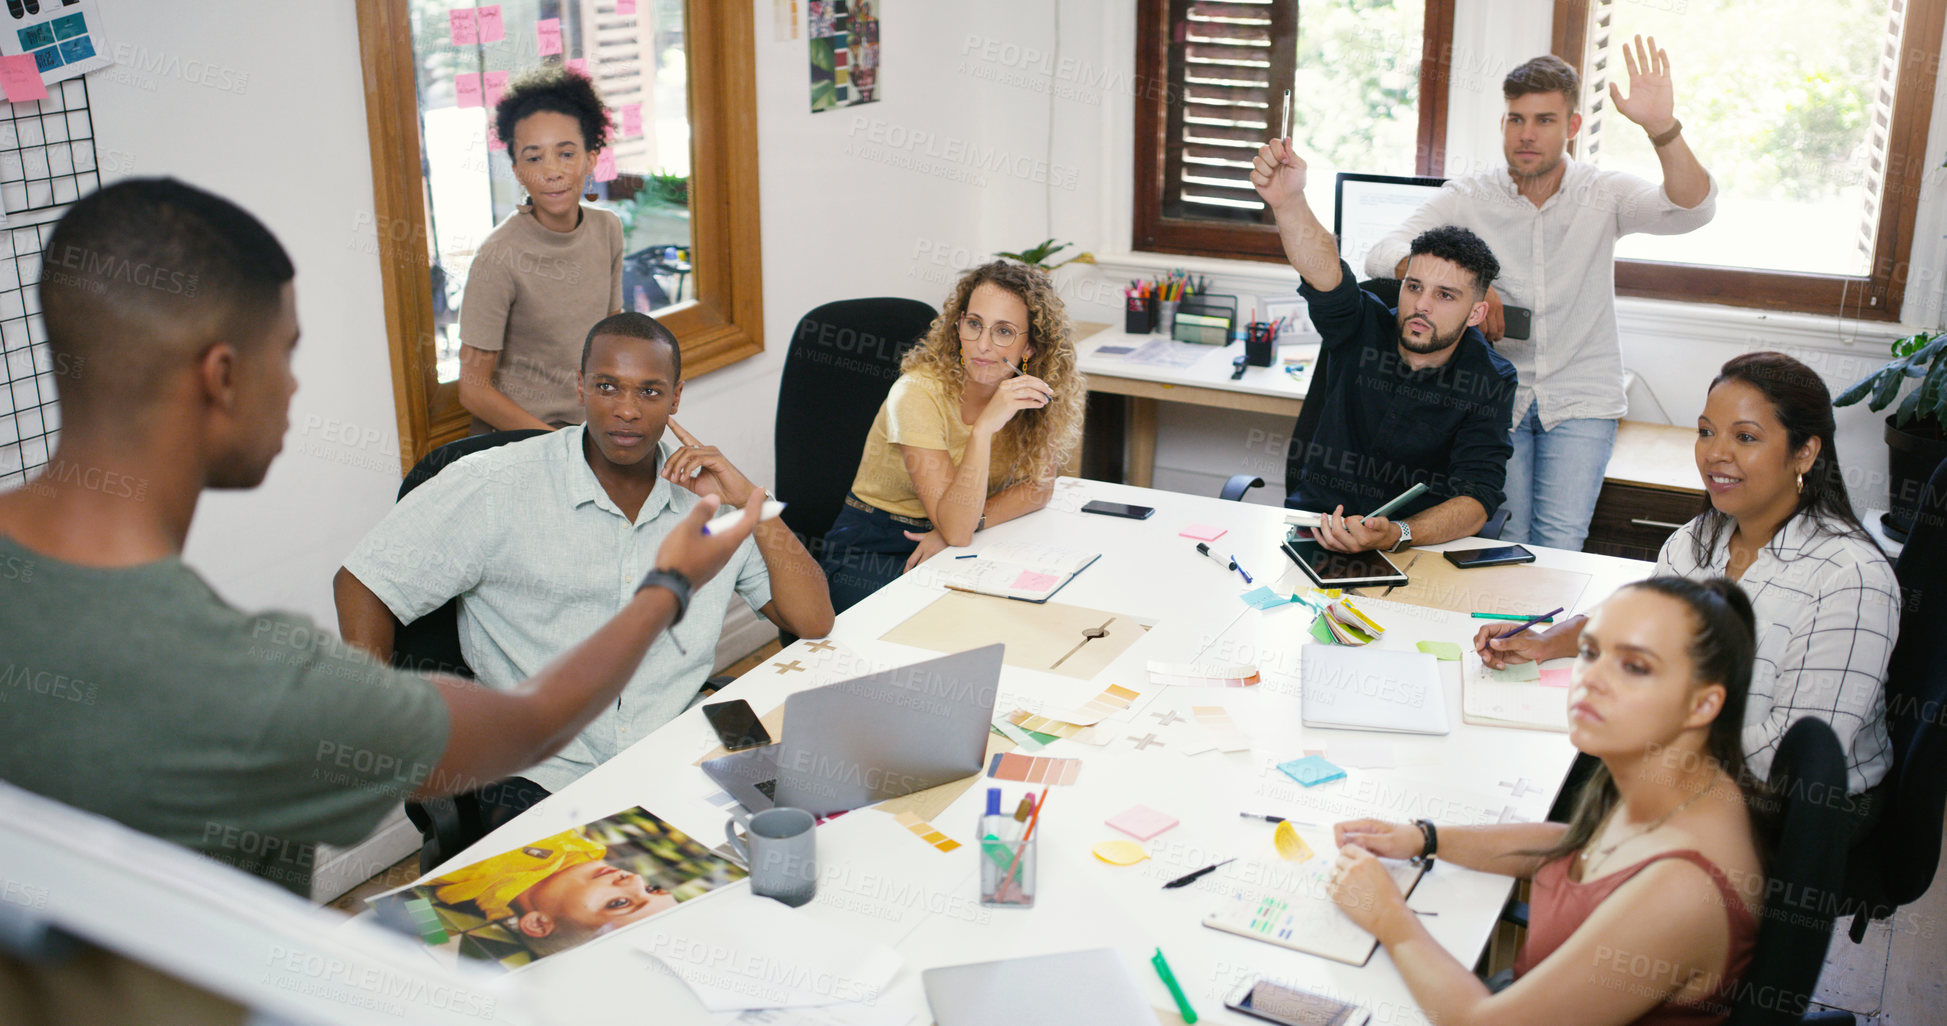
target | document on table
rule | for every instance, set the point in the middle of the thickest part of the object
(1299, 913)
(744, 951)
(1032, 573)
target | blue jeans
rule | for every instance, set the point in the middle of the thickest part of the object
(865, 550)
(1553, 479)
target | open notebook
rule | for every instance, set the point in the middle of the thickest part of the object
(1301, 915)
(1515, 697)
(1031, 573)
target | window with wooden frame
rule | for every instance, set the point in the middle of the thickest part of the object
(716, 306)
(1369, 87)
(1814, 126)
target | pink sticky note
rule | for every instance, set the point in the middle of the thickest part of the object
(1556, 678)
(548, 32)
(493, 138)
(1141, 822)
(578, 65)
(605, 165)
(1034, 580)
(1203, 532)
(625, 6)
(20, 77)
(491, 28)
(631, 120)
(467, 89)
(464, 23)
(496, 83)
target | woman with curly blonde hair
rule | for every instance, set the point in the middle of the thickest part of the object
(986, 409)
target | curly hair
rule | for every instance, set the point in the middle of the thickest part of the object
(1035, 443)
(1463, 249)
(560, 91)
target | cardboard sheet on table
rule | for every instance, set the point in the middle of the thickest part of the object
(1037, 635)
(1438, 584)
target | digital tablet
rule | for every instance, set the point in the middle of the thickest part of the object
(1329, 569)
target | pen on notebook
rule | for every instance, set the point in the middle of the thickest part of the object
(1189, 878)
(1510, 616)
(1530, 622)
(969, 555)
(1239, 567)
(1176, 991)
(1399, 500)
(1214, 558)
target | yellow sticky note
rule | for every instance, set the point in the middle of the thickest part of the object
(1120, 853)
(1289, 844)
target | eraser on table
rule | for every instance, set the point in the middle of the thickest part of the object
(772, 508)
(1141, 822)
(1312, 770)
(1516, 673)
(1557, 678)
(1203, 532)
(1445, 651)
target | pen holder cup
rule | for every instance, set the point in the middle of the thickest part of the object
(1007, 874)
(1165, 316)
(1260, 345)
(1138, 315)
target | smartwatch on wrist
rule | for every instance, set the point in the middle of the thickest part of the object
(1405, 536)
(678, 585)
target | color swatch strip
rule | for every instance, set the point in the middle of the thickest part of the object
(1112, 700)
(1223, 730)
(926, 831)
(1042, 724)
(1195, 675)
(1034, 769)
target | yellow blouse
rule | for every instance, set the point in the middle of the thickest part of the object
(919, 412)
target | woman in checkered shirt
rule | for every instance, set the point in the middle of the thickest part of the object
(1780, 524)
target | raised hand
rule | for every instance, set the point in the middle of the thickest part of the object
(1278, 174)
(699, 556)
(1650, 102)
(704, 469)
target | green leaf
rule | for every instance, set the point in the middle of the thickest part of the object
(1909, 407)
(1890, 380)
(1857, 390)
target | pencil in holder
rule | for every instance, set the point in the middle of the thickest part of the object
(1261, 344)
(1165, 316)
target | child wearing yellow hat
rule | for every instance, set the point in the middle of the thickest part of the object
(559, 888)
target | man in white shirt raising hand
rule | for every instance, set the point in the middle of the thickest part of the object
(1553, 221)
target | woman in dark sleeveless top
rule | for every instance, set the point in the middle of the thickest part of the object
(1644, 906)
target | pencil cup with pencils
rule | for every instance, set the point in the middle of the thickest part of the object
(1261, 344)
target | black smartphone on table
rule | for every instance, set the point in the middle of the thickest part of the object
(1500, 555)
(737, 725)
(1118, 509)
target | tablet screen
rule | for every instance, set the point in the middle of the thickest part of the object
(1330, 569)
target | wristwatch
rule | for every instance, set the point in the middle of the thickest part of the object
(679, 588)
(1431, 840)
(1405, 536)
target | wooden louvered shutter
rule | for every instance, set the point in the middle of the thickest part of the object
(1879, 128)
(1231, 63)
(1597, 62)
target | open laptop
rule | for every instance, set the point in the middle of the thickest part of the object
(864, 740)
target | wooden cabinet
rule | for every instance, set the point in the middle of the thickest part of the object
(1650, 489)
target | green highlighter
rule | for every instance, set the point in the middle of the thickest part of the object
(1176, 991)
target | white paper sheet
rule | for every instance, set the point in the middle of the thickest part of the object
(742, 951)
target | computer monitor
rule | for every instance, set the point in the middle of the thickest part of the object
(1367, 208)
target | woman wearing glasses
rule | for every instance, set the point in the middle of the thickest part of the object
(986, 409)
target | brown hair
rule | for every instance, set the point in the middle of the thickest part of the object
(1035, 442)
(1545, 74)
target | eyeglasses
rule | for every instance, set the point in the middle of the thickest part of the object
(971, 328)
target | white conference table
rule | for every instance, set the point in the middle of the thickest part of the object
(878, 879)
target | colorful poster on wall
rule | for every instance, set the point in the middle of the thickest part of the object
(844, 37)
(64, 38)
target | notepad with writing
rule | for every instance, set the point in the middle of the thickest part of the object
(1031, 573)
(1300, 915)
(1491, 700)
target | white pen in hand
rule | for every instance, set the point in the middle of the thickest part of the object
(772, 508)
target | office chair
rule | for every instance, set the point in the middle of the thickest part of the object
(1795, 929)
(431, 644)
(1893, 863)
(842, 361)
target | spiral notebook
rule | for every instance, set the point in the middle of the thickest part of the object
(1303, 917)
(1030, 573)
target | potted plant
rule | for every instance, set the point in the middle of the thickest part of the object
(1916, 433)
(1037, 256)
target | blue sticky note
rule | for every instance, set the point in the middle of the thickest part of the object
(1312, 770)
(1262, 597)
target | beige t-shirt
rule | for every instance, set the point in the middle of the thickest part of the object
(531, 295)
(921, 413)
